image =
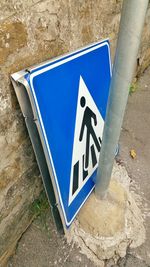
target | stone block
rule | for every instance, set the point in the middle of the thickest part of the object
(13, 36)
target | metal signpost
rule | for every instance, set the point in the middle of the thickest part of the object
(64, 104)
(131, 25)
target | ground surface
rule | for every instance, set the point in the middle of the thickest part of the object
(41, 246)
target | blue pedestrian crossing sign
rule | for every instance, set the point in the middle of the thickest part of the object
(69, 97)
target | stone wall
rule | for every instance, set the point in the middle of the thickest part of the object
(32, 31)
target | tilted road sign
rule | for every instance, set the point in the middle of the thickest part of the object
(68, 97)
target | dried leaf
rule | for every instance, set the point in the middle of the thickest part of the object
(133, 153)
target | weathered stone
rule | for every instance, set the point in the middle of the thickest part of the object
(13, 36)
(15, 213)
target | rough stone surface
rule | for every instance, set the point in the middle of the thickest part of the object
(106, 231)
(32, 31)
(107, 216)
(9, 41)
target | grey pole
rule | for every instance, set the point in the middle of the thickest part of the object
(132, 21)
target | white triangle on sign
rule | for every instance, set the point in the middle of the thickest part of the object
(87, 141)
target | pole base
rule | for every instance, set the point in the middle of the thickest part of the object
(104, 229)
